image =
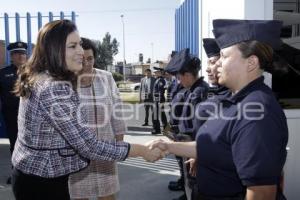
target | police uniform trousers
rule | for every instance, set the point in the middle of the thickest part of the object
(158, 112)
(10, 117)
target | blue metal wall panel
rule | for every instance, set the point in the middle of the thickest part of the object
(187, 26)
(175, 30)
(180, 27)
(197, 27)
(184, 25)
(193, 26)
(190, 25)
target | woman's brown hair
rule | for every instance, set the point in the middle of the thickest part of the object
(48, 56)
(268, 59)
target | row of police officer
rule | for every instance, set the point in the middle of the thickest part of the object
(240, 148)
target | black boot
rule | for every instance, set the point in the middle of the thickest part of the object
(176, 185)
(182, 197)
(8, 181)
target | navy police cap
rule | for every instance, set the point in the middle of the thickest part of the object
(17, 46)
(158, 69)
(229, 32)
(173, 53)
(183, 61)
(211, 47)
(179, 61)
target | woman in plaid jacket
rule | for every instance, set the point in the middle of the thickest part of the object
(53, 139)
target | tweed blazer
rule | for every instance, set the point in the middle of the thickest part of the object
(53, 138)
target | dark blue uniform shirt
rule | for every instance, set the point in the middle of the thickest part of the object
(159, 90)
(8, 77)
(242, 147)
(196, 94)
(204, 109)
(178, 95)
(172, 89)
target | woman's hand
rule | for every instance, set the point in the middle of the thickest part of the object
(149, 152)
(161, 144)
(193, 166)
(152, 155)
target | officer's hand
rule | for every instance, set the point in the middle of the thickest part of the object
(153, 154)
(161, 144)
(193, 166)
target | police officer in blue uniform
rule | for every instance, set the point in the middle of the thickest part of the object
(215, 91)
(177, 96)
(9, 102)
(159, 100)
(187, 68)
(241, 149)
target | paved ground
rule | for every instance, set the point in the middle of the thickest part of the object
(139, 179)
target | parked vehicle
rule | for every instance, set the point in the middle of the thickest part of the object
(128, 86)
(129, 91)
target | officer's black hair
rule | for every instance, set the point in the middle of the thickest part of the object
(193, 67)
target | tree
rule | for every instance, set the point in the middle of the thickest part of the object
(117, 76)
(106, 50)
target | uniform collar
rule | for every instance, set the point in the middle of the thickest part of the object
(245, 91)
(218, 89)
(196, 84)
(14, 66)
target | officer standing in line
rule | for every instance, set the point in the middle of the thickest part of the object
(9, 102)
(188, 72)
(215, 93)
(159, 100)
(187, 68)
(177, 96)
(215, 90)
(233, 152)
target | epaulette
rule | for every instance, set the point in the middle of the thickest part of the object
(5, 67)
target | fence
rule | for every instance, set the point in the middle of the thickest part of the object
(29, 25)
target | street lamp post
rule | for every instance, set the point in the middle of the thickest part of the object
(124, 64)
(152, 58)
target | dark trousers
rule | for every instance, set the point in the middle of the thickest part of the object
(11, 126)
(158, 112)
(148, 106)
(181, 165)
(30, 187)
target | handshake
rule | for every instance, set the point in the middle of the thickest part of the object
(154, 150)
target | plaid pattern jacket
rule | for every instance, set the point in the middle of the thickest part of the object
(53, 139)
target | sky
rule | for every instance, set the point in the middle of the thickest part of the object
(149, 24)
